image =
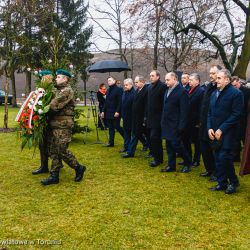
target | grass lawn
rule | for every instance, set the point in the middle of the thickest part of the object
(121, 204)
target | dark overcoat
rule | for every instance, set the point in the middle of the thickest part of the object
(127, 102)
(138, 110)
(245, 162)
(195, 99)
(175, 113)
(224, 114)
(101, 100)
(204, 111)
(155, 99)
(113, 102)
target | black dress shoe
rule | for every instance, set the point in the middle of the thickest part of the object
(127, 156)
(109, 145)
(41, 170)
(123, 150)
(185, 169)
(145, 148)
(230, 189)
(213, 178)
(205, 174)
(218, 188)
(195, 164)
(168, 169)
(154, 163)
(149, 155)
(79, 172)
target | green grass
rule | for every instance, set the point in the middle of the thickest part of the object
(121, 204)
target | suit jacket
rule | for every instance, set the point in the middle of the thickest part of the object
(175, 113)
(204, 111)
(127, 102)
(155, 104)
(113, 102)
(224, 114)
(139, 109)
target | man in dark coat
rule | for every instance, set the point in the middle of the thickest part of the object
(127, 102)
(112, 110)
(195, 97)
(226, 105)
(138, 116)
(174, 121)
(185, 81)
(243, 120)
(206, 150)
(156, 91)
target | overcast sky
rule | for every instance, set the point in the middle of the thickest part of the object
(102, 43)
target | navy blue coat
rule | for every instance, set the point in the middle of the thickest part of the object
(127, 104)
(195, 106)
(139, 110)
(224, 114)
(113, 102)
(175, 113)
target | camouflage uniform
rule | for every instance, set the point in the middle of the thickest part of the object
(60, 128)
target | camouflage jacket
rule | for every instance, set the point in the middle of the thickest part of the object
(62, 108)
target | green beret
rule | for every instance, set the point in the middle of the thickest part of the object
(44, 73)
(63, 72)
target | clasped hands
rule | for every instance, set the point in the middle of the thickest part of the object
(215, 135)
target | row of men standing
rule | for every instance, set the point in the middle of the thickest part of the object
(179, 114)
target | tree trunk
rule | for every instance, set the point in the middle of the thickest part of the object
(13, 84)
(6, 89)
(85, 92)
(243, 60)
(28, 83)
(157, 34)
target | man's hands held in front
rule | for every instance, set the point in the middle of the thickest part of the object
(215, 135)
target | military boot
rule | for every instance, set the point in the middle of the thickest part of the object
(79, 172)
(52, 179)
(41, 170)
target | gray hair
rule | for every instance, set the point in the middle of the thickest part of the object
(140, 78)
(129, 81)
(196, 76)
(226, 73)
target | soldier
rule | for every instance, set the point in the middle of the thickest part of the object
(46, 76)
(60, 129)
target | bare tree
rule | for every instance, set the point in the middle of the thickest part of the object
(112, 12)
(223, 28)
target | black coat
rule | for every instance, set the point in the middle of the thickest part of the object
(224, 114)
(101, 100)
(127, 102)
(243, 121)
(139, 109)
(195, 99)
(113, 102)
(155, 104)
(204, 111)
(175, 113)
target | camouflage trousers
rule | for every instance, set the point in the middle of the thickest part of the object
(58, 141)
